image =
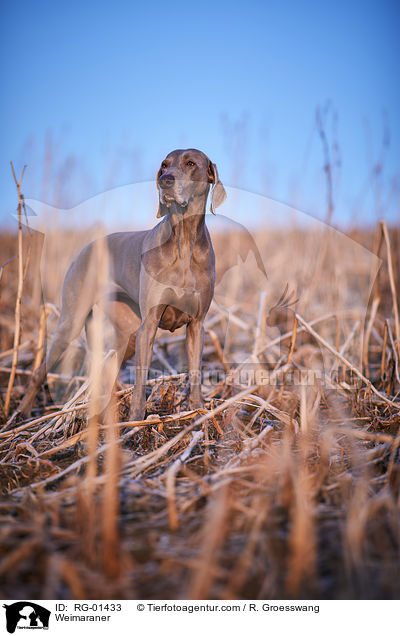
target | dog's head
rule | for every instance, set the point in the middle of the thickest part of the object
(185, 175)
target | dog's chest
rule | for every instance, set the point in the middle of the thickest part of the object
(180, 277)
(183, 269)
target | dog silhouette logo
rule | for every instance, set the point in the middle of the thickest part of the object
(26, 615)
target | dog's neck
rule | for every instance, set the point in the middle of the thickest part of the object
(187, 225)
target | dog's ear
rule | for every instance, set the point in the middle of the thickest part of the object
(162, 209)
(218, 194)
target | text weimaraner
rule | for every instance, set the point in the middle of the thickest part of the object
(163, 277)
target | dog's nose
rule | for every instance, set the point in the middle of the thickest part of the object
(166, 181)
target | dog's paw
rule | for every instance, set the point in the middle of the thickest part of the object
(196, 404)
(137, 416)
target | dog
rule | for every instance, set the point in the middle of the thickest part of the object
(163, 277)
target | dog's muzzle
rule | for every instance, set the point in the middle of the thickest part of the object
(169, 191)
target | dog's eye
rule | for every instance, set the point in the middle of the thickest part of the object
(163, 165)
(190, 163)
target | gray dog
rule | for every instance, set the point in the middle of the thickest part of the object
(163, 277)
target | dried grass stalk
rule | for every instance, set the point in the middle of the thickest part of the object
(17, 328)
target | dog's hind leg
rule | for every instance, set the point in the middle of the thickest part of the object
(78, 296)
(125, 322)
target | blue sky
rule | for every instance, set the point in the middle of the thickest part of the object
(108, 88)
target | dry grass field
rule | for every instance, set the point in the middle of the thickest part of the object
(286, 486)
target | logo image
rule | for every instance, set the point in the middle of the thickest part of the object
(26, 615)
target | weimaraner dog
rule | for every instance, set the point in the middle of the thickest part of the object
(163, 277)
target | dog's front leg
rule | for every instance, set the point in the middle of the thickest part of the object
(144, 347)
(194, 348)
